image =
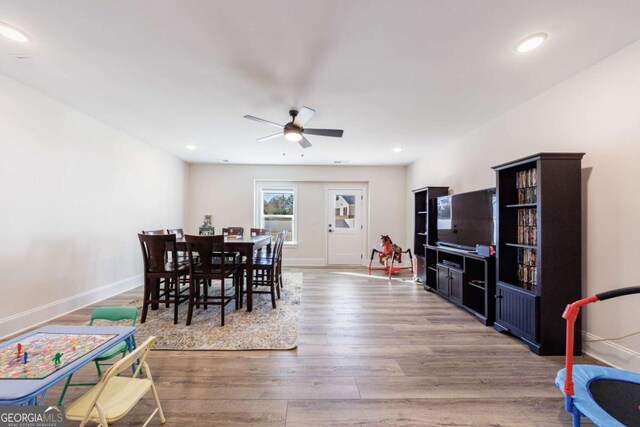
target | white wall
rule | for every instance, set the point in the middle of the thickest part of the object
(227, 192)
(597, 112)
(73, 193)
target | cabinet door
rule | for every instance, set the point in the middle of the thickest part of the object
(455, 289)
(516, 311)
(443, 280)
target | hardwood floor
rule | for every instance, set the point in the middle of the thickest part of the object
(371, 352)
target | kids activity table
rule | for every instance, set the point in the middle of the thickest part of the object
(27, 383)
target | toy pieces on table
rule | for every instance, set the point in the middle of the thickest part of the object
(25, 358)
(57, 359)
(19, 349)
(73, 343)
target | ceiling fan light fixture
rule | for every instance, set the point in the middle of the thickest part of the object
(292, 135)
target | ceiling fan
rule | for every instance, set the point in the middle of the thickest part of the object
(294, 130)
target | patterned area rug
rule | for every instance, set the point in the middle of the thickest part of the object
(262, 329)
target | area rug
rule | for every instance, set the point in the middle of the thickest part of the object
(262, 329)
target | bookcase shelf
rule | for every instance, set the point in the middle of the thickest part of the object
(538, 248)
(522, 205)
(518, 245)
(425, 230)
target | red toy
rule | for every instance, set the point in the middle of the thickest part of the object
(390, 252)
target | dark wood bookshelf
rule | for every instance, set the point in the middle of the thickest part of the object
(538, 248)
(425, 229)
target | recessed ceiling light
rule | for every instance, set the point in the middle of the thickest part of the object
(397, 149)
(531, 42)
(13, 33)
(190, 147)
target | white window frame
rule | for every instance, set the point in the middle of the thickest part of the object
(266, 187)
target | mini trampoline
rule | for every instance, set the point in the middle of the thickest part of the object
(607, 396)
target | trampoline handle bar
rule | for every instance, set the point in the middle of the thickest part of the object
(618, 293)
(571, 314)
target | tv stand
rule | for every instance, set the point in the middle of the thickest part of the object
(464, 278)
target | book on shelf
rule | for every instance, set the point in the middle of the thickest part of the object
(527, 227)
(526, 184)
(527, 271)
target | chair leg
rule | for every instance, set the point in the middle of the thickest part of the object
(98, 368)
(191, 301)
(206, 296)
(272, 285)
(241, 287)
(145, 302)
(155, 292)
(276, 282)
(235, 290)
(222, 302)
(176, 301)
(64, 390)
(167, 291)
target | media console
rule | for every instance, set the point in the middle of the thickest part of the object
(464, 278)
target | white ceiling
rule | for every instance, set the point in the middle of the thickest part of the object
(408, 73)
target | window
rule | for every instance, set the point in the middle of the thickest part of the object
(276, 209)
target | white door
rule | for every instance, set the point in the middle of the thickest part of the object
(344, 229)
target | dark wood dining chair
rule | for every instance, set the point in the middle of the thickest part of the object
(233, 231)
(265, 272)
(154, 232)
(208, 261)
(161, 266)
(260, 232)
(177, 231)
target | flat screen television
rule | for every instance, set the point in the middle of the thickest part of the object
(467, 219)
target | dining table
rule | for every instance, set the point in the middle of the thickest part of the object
(245, 246)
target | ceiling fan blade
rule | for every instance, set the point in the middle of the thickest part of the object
(337, 133)
(257, 119)
(267, 138)
(303, 116)
(304, 143)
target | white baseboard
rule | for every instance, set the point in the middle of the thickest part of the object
(303, 262)
(27, 319)
(610, 353)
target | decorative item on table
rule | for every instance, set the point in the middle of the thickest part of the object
(206, 229)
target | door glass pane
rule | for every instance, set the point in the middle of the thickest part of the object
(345, 211)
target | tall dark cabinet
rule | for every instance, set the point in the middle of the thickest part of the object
(425, 230)
(538, 248)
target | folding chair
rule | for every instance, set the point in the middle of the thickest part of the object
(115, 396)
(112, 314)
